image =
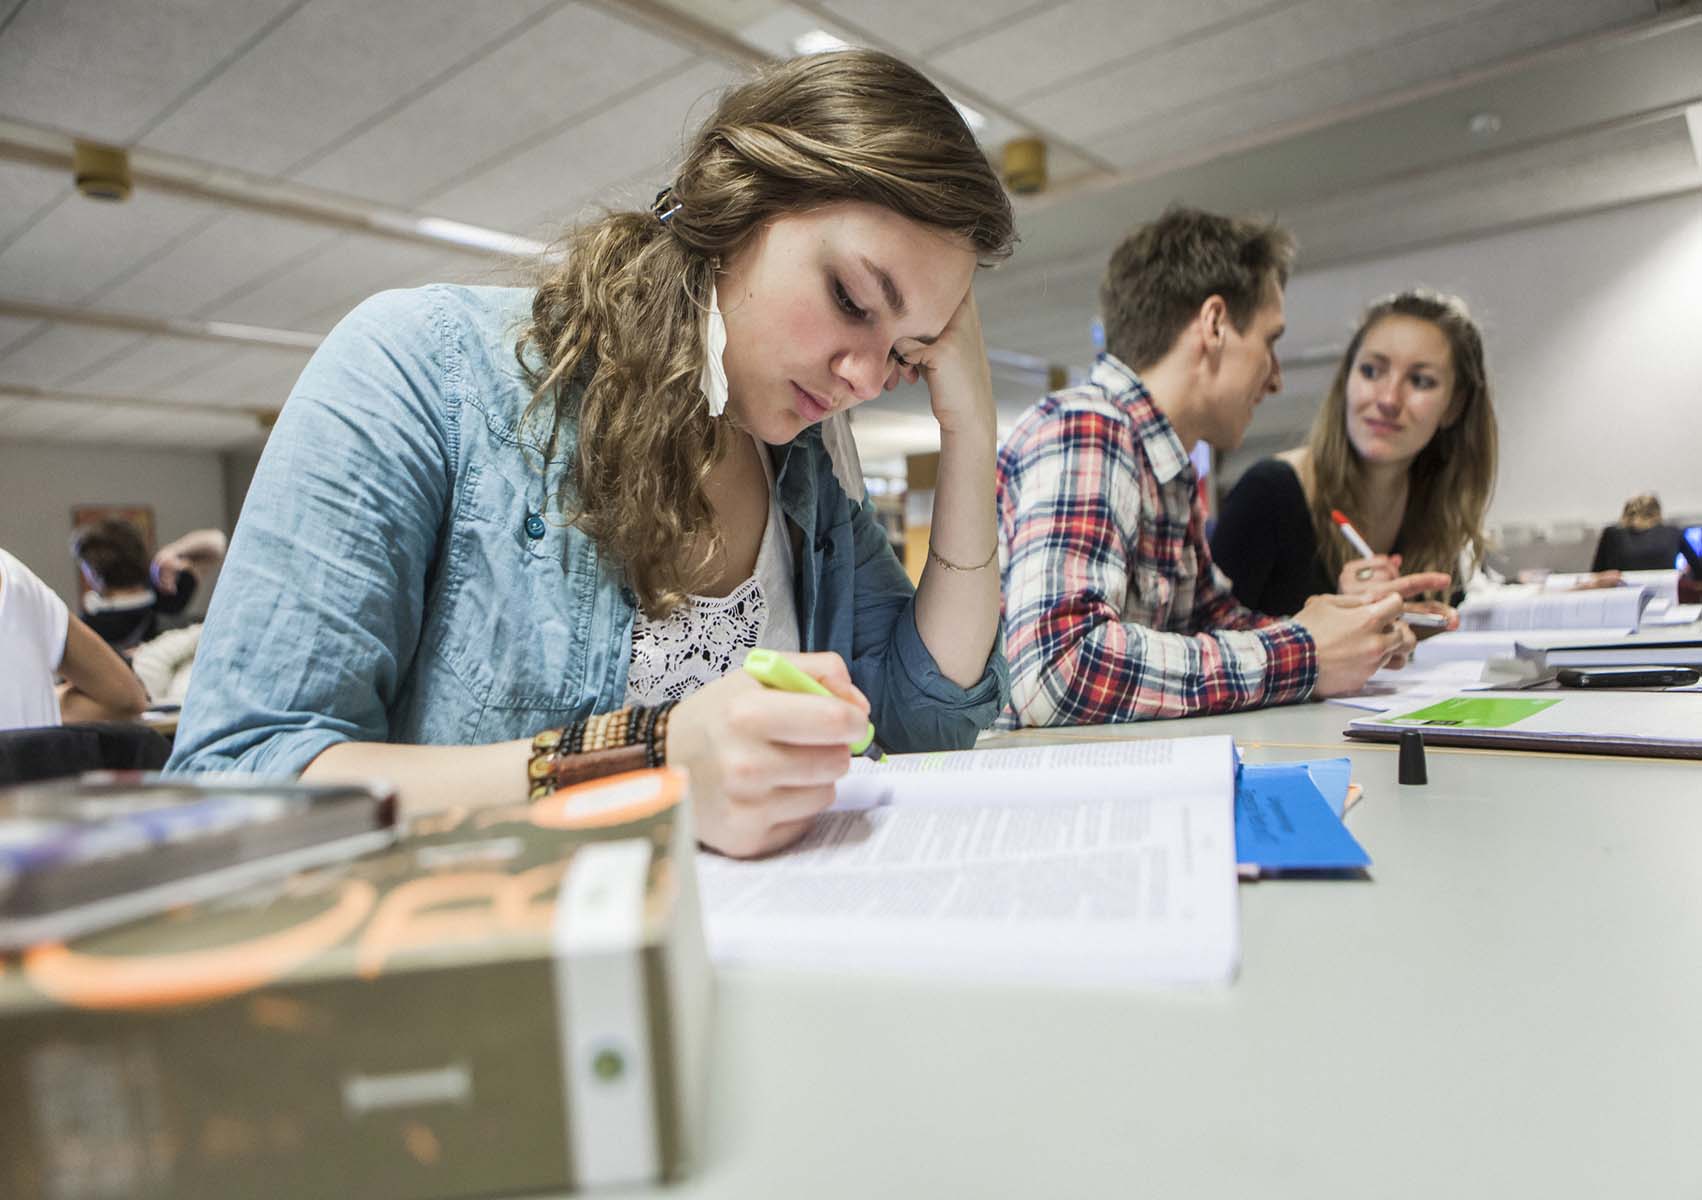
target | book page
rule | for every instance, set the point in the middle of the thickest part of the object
(1478, 646)
(1035, 868)
(1162, 754)
(1618, 609)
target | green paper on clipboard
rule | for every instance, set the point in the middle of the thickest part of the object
(1645, 724)
(1473, 712)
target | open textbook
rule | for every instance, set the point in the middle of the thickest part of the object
(1090, 863)
(1524, 607)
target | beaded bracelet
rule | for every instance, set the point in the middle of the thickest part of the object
(601, 744)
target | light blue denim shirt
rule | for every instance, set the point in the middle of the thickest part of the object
(386, 582)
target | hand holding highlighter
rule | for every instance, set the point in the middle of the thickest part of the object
(773, 670)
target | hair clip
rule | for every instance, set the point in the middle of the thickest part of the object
(665, 205)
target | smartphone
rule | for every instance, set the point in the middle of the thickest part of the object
(1627, 677)
(1424, 620)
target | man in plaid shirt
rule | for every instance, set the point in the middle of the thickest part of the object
(1113, 608)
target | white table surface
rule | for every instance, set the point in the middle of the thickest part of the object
(1510, 1006)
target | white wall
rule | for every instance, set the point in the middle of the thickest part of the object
(40, 482)
(1593, 328)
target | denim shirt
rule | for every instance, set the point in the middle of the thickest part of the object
(388, 581)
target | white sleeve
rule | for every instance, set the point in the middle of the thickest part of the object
(33, 609)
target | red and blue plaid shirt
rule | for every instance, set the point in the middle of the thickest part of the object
(1114, 610)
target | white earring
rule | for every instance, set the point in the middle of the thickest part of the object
(713, 381)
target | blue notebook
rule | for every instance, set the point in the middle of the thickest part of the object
(1288, 817)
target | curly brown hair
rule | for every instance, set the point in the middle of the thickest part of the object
(615, 343)
(1451, 480)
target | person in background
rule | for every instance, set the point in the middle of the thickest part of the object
(505, 539)
(165, 664)
(1114, 609)
(1642, 541)
(1404, 446)
(128, 593)
(41, 638)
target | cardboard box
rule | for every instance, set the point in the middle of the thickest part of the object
(508, 1001)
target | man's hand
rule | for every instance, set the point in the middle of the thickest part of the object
(1354, 636)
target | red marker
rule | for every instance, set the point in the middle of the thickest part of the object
(1351, 534)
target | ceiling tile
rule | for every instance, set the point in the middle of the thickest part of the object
(551, 180)
(450, 268)
(24, 192)
(15, 329)
(77, 248)
(106, 71)
(50, 358)
(331, 66)
(218, 259)
(342, 273)
(1271, 101)
(1593, 171)
(148, 367)
(254, 378)
(567, 65)
(926, 27)
(1074, 40)
(1283, 43)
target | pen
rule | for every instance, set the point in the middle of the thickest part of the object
(1351, 534)
(1425, 620)
(768, 668)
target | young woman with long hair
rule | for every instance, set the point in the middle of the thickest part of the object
(1404, 446)
(507, 538)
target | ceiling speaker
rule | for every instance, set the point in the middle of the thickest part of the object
(1025, 165)
(102, 172)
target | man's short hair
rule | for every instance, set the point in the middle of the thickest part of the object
(113, 549)
(1163, 271)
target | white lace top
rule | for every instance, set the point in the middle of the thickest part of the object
(707, 636)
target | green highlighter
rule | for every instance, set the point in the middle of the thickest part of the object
(770, 669)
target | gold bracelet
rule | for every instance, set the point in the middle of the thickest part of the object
(951, 566)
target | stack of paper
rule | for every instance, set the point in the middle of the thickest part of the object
(1096, 863)
(1528, 608)
(1664, 724)
(1679, 647)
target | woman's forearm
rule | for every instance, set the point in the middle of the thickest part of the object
(103, 687)
(957, 611)
(431, 778)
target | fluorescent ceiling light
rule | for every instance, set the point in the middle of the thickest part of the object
(818, 41)
(976, 122)
(476, 237)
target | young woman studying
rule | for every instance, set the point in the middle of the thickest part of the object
(1404, 446)
(504, 539)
